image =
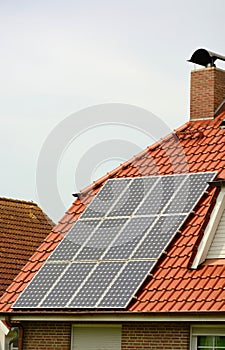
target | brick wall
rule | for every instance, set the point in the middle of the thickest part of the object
(46, 336)
(207, 92)
(138, 336)
(155, 336)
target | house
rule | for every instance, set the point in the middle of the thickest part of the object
(167, 291)
(24, 226)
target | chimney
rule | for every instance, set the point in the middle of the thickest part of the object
(207, 85)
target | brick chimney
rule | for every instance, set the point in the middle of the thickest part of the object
(207, 92)
(207, 85)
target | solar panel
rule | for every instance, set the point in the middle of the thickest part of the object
(189, 193)
(96, 285)
(74, 240)
(110, 250)
(101, 239)
(127, 283)
(69, 281)
(131, 199)
(40, 285)
(129, 237)
(156, 200)
(107, 196)
(159, 236)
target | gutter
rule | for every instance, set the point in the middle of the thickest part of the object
(120, 317)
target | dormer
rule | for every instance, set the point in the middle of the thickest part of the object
(212, 246)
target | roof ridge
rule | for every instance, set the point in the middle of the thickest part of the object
(18, 201)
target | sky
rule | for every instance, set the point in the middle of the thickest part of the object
(73, 60)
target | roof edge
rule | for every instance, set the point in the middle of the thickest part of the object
(18, 201)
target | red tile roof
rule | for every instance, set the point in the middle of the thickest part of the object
(195, 147)
(23, 228)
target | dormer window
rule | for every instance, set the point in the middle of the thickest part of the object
(212, 245)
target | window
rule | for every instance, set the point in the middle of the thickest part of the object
(210, 342)
(96, 337)
(208, 338)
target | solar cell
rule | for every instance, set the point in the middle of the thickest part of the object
(126, 284)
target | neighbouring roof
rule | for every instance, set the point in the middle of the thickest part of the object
(23, 227)
(173, 286)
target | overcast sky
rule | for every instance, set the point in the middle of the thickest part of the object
(60, 57)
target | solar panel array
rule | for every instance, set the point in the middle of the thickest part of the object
(111, 249)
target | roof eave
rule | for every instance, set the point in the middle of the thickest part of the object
(119, 316)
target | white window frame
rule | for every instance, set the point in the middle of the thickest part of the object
(206, 330)
(98, 325)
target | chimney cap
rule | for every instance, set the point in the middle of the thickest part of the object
(205, 58)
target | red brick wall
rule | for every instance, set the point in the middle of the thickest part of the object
(156, 336)
(138, 336)
(207, 92)
(46, 336)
